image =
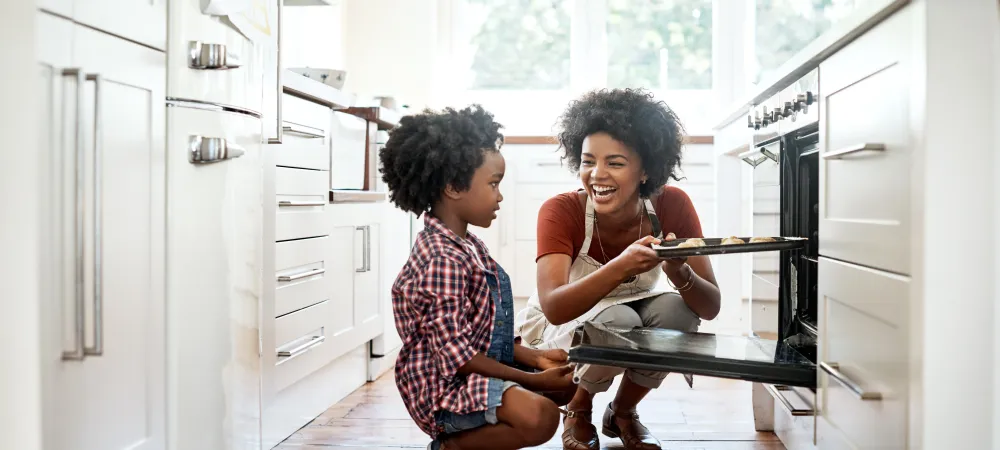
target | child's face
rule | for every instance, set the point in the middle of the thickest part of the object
(482, 201)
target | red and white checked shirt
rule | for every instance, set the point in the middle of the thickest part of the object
(444, 314)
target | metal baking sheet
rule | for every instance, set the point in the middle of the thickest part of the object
(713, 246)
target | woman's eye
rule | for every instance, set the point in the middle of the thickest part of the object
(587, 163)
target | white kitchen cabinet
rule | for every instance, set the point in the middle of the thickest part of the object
(104, 353)
(142, 21)
(865, 167)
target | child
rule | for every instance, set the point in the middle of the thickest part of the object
(452, 302)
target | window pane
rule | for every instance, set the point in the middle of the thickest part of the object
(660, 44)
(519, 44)
(784, 27)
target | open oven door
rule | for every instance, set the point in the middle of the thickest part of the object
(737, 357)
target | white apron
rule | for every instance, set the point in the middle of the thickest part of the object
(536, 331)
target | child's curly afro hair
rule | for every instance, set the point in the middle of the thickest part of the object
(430, 151)
(632, 117)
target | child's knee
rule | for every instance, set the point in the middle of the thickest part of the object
(543, 423)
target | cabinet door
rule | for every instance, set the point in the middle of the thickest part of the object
(142, 21)
(107, 372)
(367, 307)
(341, 273)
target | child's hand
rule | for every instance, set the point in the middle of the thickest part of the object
(554, 379)
(548, 359)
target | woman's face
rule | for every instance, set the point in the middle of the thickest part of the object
(611, 173)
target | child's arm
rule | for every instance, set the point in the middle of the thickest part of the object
(444, 287)
(539, 359)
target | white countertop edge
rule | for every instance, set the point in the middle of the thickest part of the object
(809, 58)
(313, 90)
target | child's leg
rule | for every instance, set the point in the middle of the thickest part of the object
(524, 419)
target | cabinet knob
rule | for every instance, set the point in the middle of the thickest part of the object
(207, 150)
(205, 56)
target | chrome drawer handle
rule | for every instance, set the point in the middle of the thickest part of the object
(207, 150)
(305, 347)
(78, 353)
(776, 392)
(205, 56)
(303, 130)
(837, 154)
(301, 275)
(304, 203)
(98, 348)
(833, 369)
(366, 262)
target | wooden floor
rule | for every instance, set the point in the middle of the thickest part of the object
(715, 415)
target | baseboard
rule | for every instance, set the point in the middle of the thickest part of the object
(379, 365)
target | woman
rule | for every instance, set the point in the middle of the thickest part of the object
(594, 257)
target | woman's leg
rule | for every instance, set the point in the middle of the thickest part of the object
(524, 419)
(665, 311)
(579, 431)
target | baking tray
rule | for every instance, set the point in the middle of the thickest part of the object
(668, 249)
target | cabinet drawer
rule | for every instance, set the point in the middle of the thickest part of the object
(866, 150)
(303, 112)
(302, 198)
(305, 136)
(301, 270)
(301, 343)
(239, 85)
(863, 352)
(794, 416)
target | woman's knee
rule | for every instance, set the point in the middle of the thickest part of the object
(668, 311)
(619, 316)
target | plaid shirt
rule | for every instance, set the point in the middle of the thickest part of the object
(444, 314)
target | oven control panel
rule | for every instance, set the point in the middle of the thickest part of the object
(793, 107)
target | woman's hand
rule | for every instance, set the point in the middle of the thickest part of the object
(637, 258)
(548, 359)
(673, 265)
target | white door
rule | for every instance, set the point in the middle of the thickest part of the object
(142, 21)
(105, 372)
(214, 284)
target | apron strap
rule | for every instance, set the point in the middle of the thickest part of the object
(651, 213)
(589, 233)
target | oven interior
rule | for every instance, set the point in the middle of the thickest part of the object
(797, 324)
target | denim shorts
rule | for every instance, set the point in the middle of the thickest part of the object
(451, 423)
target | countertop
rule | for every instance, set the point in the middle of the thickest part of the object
(312, 90)
(869, 14)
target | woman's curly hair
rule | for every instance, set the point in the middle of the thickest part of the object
(427, 152)
(632, 117)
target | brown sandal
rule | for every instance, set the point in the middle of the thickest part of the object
(634, 435)
(583, 434)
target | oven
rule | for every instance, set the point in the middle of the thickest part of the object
(782, 152)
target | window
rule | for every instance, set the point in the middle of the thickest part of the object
(660, 45)
(519, 44)
(782, 28)
(526, 59)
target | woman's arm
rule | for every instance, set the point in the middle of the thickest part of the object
(702, 295)
(563, 301)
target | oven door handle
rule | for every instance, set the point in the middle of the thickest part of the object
(749, 158)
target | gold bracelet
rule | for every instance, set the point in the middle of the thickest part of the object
(688, 285)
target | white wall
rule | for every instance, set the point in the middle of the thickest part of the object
(20, 371)
(313, 36)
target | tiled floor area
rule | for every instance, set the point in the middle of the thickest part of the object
(715, 415)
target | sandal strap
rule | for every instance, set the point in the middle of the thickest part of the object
(573, 413)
